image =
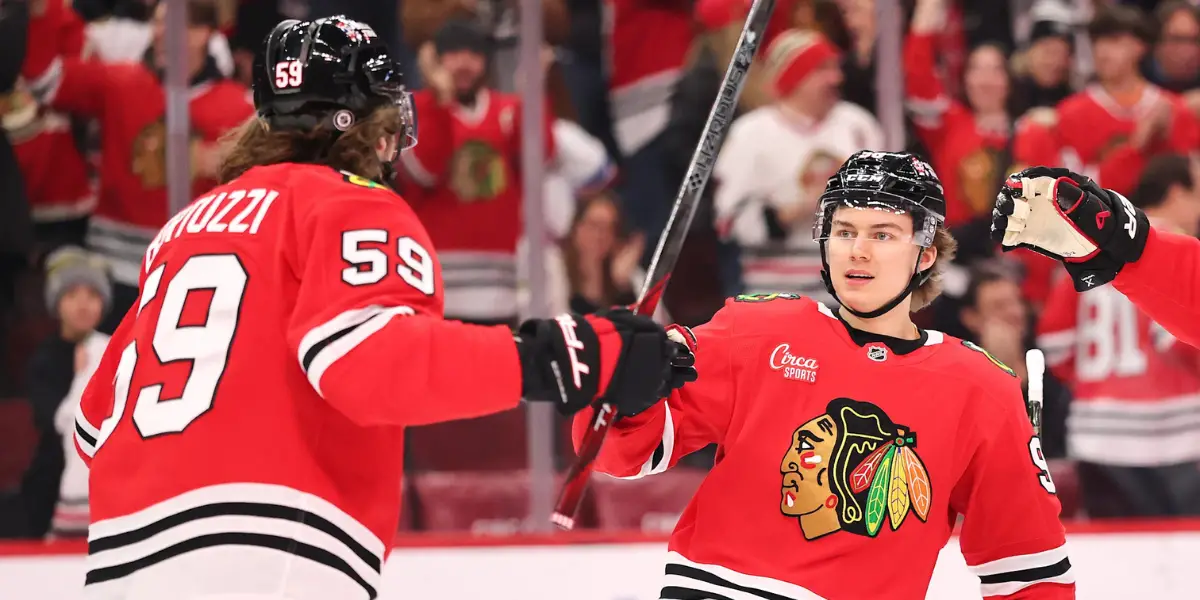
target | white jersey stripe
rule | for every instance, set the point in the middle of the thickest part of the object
(326, 343)
(683, 575)
(660, 458)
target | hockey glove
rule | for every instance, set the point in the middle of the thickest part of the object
(1067, 217)
(573, 360)
(683, 364)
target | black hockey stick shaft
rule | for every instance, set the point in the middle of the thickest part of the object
(670, 243)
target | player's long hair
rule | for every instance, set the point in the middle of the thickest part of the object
(253, 145)
(947, 247)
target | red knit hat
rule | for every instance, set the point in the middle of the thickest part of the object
(794, 55)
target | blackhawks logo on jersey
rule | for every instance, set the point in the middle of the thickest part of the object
(853, 469)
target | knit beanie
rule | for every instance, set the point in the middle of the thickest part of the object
(794, 55)
(70, 266)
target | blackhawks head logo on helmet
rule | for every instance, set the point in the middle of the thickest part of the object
(853, 469)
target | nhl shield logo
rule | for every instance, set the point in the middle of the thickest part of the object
(877, 352)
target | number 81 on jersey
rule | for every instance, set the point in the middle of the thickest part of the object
(369, 265)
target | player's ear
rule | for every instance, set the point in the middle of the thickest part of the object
(928, 257)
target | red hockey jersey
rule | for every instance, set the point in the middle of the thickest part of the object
(646, 45)
(54, 172)
(467, 171)
(1165, 284)
(129, 103)
(1135, 389)
(247, 418)
(970, 160)
(1091, 136)
(843, 462)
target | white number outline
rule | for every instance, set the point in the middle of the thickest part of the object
(415, 266)
(1039, 461)
(1108, 337)
(153, 415)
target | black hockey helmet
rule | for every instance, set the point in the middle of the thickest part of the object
(332, 71)
(897, 182)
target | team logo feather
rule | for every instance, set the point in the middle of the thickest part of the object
(853, 469)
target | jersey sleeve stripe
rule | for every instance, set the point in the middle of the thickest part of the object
(85, 435)
(326, 343)
(1014, 573)
(45, 87)
(660, 459)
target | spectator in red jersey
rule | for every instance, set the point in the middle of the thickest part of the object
(1109, 130)
(464, 178)
(967, 137)
(128, 100)
(56, 176)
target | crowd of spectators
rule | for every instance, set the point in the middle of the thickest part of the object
(1109, 89)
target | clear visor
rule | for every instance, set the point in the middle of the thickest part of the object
(868, 223)
(385, 80)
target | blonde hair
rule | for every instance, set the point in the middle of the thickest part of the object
(253, 144)
(946, 247)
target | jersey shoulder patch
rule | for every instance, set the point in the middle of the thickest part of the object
(767, 297)
(995, 361)
(361, 181)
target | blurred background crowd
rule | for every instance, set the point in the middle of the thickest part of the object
(979, 88)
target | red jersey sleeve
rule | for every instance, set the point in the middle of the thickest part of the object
(367, 326)
(1011, 537)
(691, 418)
(53, 68)
(1057, 329)
(99, 411)
(1165, 284)
(924, 94)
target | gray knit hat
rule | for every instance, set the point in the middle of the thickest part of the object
(70, 266)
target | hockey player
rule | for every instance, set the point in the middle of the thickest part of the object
(245, 427)
(849, 440)
(1101, 237)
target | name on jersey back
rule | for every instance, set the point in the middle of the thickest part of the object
(235, 211)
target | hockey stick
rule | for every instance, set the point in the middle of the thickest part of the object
(670, 243)
(1035, 366)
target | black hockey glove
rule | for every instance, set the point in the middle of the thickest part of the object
(1066, 216)
(573, 360)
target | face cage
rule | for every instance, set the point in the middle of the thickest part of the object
(923, 232)
(386, 82)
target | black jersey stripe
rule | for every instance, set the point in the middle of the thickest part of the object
(273, 542)
(674, 592)
(705, 576)
(250, 509)
(1033, 574)
(84, 435)
(316, 348)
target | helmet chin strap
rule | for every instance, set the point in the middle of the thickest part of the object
(914, 282)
